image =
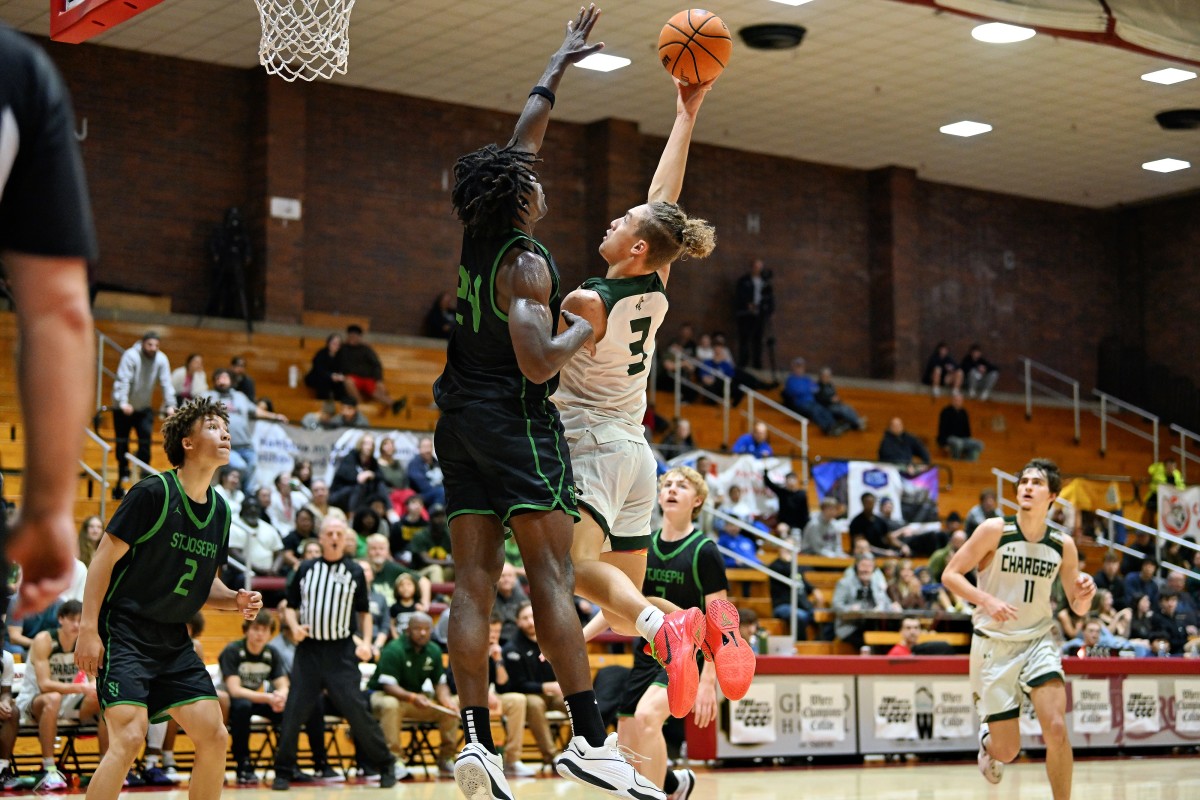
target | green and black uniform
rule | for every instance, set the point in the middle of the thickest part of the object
(499, 440)
(176, 547)
(684, 572)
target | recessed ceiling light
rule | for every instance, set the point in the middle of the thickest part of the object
(1168, 76)
(792, 2)
(601, 62)
(1166, 165)
(966, 128)
(1002, 33)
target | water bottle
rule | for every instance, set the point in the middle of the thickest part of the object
(762, 642)
(293, 376)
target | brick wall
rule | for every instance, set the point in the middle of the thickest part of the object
(870, 268)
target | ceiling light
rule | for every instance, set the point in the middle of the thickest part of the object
(966, 128)
(1002, 33)
(1166, 165)
(1168, 76)
(601, 62)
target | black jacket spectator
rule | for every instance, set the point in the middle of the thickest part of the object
(325, 375)
(902, 448)
(793, 503)
(527, 670)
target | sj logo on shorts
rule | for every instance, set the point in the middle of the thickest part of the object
(114, 688)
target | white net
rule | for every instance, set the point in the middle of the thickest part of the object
(306, 39)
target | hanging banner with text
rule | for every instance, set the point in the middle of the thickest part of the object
(1028, 721)
(1091, 706)
(895, 710)
(822, 712)
(952, 717)
(753, 717)
(279, 447)
(1187, 706)
(1139, 699)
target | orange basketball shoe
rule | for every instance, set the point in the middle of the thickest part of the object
(725, 647)
(674, 647)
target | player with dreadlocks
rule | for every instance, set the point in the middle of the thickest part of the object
(501, 445)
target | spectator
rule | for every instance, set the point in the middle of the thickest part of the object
(1175, 626)
(1088, 646)
(754, 303)
(190, 380)
(822, 536)
(756, 442)
(902, 448)
(722, 363)
(356, 479)
(90, 534)
(1177, 582)
(286, 500)
(325, 376)
(364, 372)
(394, 473)
(905, 587)
(800, 395)
(350, 416)
(670, 356)
(678, 440)
(781, 598)
(858, 592)
(703, 349)
(1165, 472)
(874, 529)
(414, 520)
(827, 395)
(738, 504)
(1115, 621)
(256, 680)
(324, 418)
(242, 412)
(49, 690)
(254, 542)
(940, 558)
(1109, 578)
(141, 368)
(912, 540)
(327, 591)
(229, 486)
(293, 541)
(425, 474)
(1144, 621)
(22, 630)
(10, 720)
(942, 370)
(954, 431)
(240, 380)
(431, 548)
(510, 597)
(510, 706)
(381, 620)
(441, 319)
(533, 676)
(387, 571)
(985, 509)
(1144, 581)
(793, 500)
(405, 602)
(910, 634)
(979, 374)
(406, 663)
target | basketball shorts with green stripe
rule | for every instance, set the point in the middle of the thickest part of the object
(505, 458)
(150, 664)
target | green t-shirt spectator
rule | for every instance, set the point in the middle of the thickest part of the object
(385, 579)
(400, 666)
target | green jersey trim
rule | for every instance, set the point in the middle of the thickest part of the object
(496, 267)
(1012, 533)
(613, 290)
(187, 503)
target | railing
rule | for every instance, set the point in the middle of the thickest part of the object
(1159, 538)
(103, 342)
(1184, 455)
(100, 477)
(722, 399)
(1031, 383)
(802, 443)
(1105, 418)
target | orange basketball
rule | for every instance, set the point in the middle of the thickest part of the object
(694, 46)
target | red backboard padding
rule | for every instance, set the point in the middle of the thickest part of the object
(89, 18)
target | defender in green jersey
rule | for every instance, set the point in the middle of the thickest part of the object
(1012, 653)
(155, 567)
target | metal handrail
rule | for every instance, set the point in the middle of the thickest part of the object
(723, 399)
(754, 396)
(793, 583)
(1031, 383)
(102, 476)
(1184, 455)
(1159, 537)
(103, 341)
(1105, 418)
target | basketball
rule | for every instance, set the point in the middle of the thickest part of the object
(694, 46)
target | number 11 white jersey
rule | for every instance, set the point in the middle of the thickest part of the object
(610, 387)
(1021, 573)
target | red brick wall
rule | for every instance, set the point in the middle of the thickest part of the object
(172, 143)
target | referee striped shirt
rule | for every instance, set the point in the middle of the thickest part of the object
(328, 594)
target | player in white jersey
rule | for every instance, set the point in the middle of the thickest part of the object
(602, 400)
(1012, 653)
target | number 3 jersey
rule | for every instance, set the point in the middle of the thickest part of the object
(610, 387)
(176, 547)
(1022, 574)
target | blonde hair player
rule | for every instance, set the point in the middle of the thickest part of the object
(602, 400)
(1012, 651)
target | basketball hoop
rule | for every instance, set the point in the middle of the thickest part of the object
(306, 39)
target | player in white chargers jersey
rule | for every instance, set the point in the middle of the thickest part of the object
(1012, 651)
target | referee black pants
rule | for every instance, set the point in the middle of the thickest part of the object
(331, 666)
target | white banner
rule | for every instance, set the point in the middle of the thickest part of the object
(1028, 721)
(279, 447)
(822, 712)
(753, 717)
(1091, 706)
(895, 714)
(746, 472)
(1139, 698)
(1187, 706)
(953, 716)
(1179, 510)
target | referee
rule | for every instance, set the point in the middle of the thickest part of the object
(326, 591)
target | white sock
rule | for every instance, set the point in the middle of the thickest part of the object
(151, 760)
(49, 765)
(649, 621)
(168, 758)
(3, 764)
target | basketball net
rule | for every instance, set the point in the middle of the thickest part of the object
(306, 39)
